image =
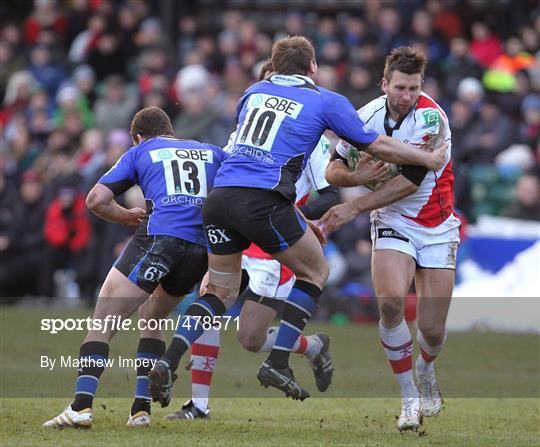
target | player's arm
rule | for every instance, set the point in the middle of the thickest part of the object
(344, 121)
(395, 189)
(338, 172)
(100, 201)
(395, 151)
(115, 181)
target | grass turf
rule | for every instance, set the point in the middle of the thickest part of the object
(490, 381)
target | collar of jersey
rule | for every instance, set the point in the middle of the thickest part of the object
(291, 79)
(389, 129)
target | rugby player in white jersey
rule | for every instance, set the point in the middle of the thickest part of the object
(415, 231)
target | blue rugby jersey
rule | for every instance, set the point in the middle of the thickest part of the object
(175, 177)
(280, 122)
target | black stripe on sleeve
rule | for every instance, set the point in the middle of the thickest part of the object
(415, 174)
(119, 187)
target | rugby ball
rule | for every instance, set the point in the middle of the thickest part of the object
(353, 157)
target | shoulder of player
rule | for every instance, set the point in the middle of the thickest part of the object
(426, 103)
(256, 87)
(377, 105)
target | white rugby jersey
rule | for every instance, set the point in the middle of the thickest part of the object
(312, 177)
(425, 126)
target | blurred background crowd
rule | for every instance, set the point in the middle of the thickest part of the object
(73, 72)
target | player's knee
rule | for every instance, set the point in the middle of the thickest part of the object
(249, 340)
(324, 272)
(391, 309)
(433, 334)
(317, 273)
(225, 285)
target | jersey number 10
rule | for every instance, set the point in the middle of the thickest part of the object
(260, 128)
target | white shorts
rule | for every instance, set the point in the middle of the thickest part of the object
(265, 278)
(430, 247)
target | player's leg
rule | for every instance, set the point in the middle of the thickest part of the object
(222, 208)
(259, 310)
(150, 349)
(270, 284)
(305, 258)
(224, 283)
(118, 298)
(224, 276)
(204, 355)
(255, 320)
(434, 288)
(393, 272)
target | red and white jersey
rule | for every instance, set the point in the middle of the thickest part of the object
(426, 127)
(311, 179)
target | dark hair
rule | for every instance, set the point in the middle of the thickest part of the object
(408, 60)
(151, 122)
(292, 55)
(266, 69)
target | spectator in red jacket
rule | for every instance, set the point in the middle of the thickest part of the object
(485, 46)
(67, 234)
(45, 16)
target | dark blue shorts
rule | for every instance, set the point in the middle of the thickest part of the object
(176, 264)
(234, 217)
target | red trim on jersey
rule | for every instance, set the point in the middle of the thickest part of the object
(427, 358)
(303, 200)
(440, 204)
(427, 103)
(402, 365)
(201, 377)
(254, 251)
(204, 350)
(285, 275)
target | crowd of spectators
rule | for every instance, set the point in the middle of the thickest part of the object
(73, 73)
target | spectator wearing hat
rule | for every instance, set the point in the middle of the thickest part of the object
(84, 79)
(72, 105)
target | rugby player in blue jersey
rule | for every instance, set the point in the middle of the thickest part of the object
(165, 258)
(280, 121)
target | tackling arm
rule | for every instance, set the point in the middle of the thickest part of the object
(394, 190)
(395, 151)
